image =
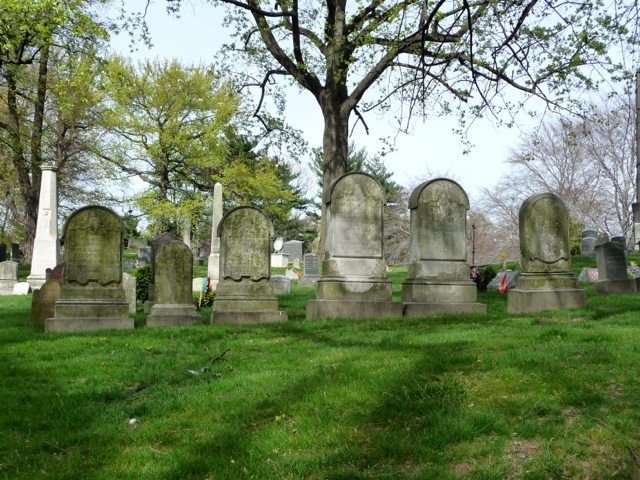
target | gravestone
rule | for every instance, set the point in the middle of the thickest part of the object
(512, 277)
(137, 243)
(546, 281)
(173, 298)
(57, 273)
(293, 250)
(438, 274)
(21, 288)
(281, 285)
(244, 293)
(8, 276)
(92, 296)
(278, 259)
(588, 246)
(612, 270)
(159, 240)
(15, 252)
(354, 280)
(589, 233)
(588, 275)
(620, 240)
(46, 248)
(213, 268)
(144, 255)
(311, 270)
(129, 286)
(3, 252)
(602, 238)
(44, 300)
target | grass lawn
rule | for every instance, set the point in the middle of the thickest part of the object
(482, 396)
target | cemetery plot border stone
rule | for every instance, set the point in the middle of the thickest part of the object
(173, 298)
(92, 297)
(245, 293)
(8, 276)
(438, 275)
(612, 270)
(546, 281)
(354, 281)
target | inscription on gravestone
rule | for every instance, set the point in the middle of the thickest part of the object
(247, 248)
(311, 264)
(612, 262)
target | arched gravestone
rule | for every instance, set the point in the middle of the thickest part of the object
(244, 293)
(173, 298)
(354, 280)
(92, 297)
(546, 281)
(438, 274)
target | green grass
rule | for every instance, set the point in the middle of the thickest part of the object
(480, 396)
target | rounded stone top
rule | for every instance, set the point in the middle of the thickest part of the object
(528, 205)
(240, 210)
(415, 195)
(329, 193)
(94, 207)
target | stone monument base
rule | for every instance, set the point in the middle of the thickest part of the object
(419, 309)
(36, 281)
(173, 315)
(357, 289)
(352, 309)
(421, 291)
(248, 317)
(526, 301)
(614, 287)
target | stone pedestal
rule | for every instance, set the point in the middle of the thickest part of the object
(615, 287)
(178, 315)
(46, 251)
(536, 292)
(246, 302)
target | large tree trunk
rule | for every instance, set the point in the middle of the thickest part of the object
(335, 144)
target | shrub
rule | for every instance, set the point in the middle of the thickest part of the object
(143, 280)
(483, 275)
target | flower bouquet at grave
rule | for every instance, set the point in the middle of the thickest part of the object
(633, 270)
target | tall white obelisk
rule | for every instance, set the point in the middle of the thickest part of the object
(46, 249)
(213, 270)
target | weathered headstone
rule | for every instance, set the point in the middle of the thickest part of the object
(44, 300)
(57, 273)
(589, 246)
(281, 285)
(311, 271)
(602, 238)
(173, 298)
(8, 276)
(92, 295)
(354, 280)
(244, 293)
(512, 277)
(588, 275)
(589, 233)
(46, 248)
(21, 288)
(293, 250)
(546, 281)
(144, 255)
(438, 274)
(612, 270)
(129, 286)
(213, 268)
(3, 252)
(620, 240)
(159, 240)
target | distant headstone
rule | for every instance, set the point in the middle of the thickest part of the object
(512, 277)
(137, 243)
(3, 252)
(279, 260)
(129, 286)
(15, 252)
(196, 284)
(315, 245)
(244, 293)
(612, 270)
(589, 246)
(438, 274)
(354, 280)
(173, 298)
(281, 285)
(293, 250)
(588, 275)
(311, 269)
(92, 295)
(21, 288)
(57, 273)
(546, 281)
(159, 240)
(144, 254)
(213, 267)
(589, 233)
(8, 276)
(44, 300)
(620, 240)
(602, 238)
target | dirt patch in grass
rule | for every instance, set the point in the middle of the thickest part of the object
(517, 453)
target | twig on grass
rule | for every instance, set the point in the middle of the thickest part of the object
(219, 357)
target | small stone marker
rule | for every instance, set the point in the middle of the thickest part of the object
(92, 295)
(612, 270)
(244, 293)
(354, 281)
(589, 242)
(293, 250)
(173, 298)
(21, 288)
(43, 302)
(129, 286)
(438, 275)
(588, 275)
(281, 285)
(8, 276)
(546, 281)
(311, 270)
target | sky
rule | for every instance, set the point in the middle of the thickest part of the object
(431, 149)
